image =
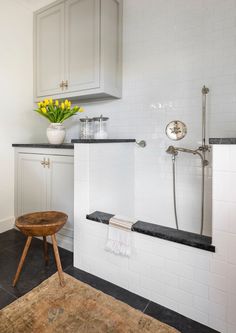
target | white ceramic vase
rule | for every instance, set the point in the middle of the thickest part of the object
(56, 133)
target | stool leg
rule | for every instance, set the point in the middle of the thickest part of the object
(22, 259)
(58, 261)
(45, 249)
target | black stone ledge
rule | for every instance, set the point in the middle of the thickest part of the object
(44, 145)
(178, 236)
(222, 141)
(102, 140)
(100, 217)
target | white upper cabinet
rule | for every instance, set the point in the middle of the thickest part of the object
(49, 46)
(82, 44)
(78, 49)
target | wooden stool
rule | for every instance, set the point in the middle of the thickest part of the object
(41, 224)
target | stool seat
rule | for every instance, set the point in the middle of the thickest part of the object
(41, 223)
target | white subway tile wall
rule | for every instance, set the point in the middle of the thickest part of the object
(171, 48)
(196, 283)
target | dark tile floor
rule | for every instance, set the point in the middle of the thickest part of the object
(35, 271)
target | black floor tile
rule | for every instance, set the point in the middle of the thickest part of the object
(11, 237)
(174, 319)
(36, 255)
(5, 298)
(30, 277)
(111, 289)
(34, 270)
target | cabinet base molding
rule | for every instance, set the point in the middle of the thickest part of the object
(7, 224)
(65, 242)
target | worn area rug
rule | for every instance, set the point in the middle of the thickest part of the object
(75, 308)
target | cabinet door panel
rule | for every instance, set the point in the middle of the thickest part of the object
(49, 50)
(82, 44)
(31, 184)
(60, 189)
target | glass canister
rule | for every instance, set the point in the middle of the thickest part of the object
(100, 127)
(86, 128)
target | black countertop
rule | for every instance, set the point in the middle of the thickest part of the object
(222, 141)
(70, 145)
(102, 140)
(44, 145)
(155, 230)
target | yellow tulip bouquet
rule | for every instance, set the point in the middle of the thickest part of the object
(57, 112)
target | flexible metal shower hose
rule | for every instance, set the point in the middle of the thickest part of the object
(174, 192)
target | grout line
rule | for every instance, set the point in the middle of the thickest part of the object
(9, 293)
(67, 267)
(146, 306)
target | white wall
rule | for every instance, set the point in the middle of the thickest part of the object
(18, 122)
(171, 48)
(196, 283)
(34, 4)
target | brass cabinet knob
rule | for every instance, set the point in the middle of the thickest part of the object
(47, 163)
(43, 162)
(66, 84)
(62, 84)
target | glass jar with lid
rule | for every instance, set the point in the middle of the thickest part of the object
(86, 128)
(100, 127)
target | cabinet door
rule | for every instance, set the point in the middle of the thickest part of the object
(49, 51)
(60, 189)
(31, 184)
(82, 26)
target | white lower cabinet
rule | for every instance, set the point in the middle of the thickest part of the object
(46, 182)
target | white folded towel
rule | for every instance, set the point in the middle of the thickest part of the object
(119, 235)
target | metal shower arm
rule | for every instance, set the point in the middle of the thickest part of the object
(190, 151)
